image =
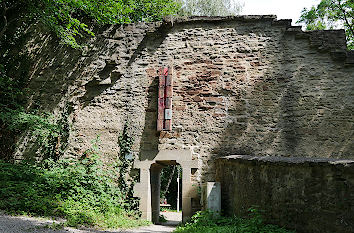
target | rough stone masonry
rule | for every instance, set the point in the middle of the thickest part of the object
(248, 85)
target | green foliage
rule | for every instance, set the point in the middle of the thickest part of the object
(65, 17)
(329, 14)
(42, 127)
(125, 142)
(85, 191)
(210, 7)
(126, 182)
(210, 222)
(10, 91)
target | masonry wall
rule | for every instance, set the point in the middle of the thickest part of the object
(256, 86)
(309, 195)
(242, 85)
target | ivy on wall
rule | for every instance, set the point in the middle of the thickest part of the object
(47, 132)
(125, 165)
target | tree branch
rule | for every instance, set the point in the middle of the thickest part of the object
(351, 29)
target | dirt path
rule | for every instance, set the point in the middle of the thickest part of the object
(20, 224)
(173, 218)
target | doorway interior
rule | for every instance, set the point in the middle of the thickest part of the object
(166, 192)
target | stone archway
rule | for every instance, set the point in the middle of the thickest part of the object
(148, 189)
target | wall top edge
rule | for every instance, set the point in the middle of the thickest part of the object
(184, 19)
(290, 160)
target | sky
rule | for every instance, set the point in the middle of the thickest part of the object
(284, 9)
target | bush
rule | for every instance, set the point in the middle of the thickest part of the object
(84, 191)
(211, 222)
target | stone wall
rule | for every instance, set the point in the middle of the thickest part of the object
(242, 85)
(253, 85)
(309, 195)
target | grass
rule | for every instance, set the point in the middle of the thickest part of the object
(209, 222)
(84, 192)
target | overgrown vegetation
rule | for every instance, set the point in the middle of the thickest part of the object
(126, 180)
(211, 222)
(85, 191)
(47, 133)
(65, 17)
(329, 14)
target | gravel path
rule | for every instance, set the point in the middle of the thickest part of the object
(20, 224)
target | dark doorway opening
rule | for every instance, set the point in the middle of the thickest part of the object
(166, 192)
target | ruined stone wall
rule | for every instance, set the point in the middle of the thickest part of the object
(309, 195)
(242, 85)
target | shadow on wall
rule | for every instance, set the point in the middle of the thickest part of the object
(62, 77)
(28, 63)
(56, 75)
(106, 78)
(150, 139)
(288, 123)
(151, 42)
(49, 82)
(264, 119)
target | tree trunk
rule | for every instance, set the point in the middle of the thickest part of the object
(169, 180)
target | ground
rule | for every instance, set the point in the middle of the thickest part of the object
(19, 224)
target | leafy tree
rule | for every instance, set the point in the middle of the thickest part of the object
(64, 17)
(329, 14)
(210, 7)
